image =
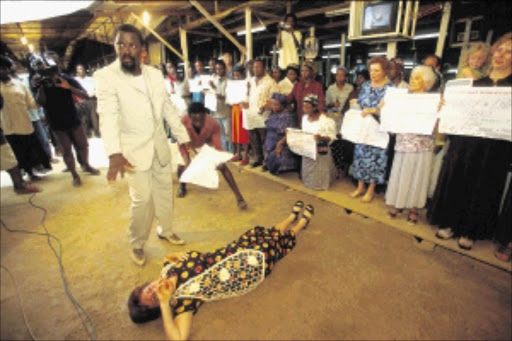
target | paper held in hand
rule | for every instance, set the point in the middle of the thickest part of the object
(301, 142)
(252, 120)
(202, 171)
(363, 130)
(210, 100)
(409, 113)
(236, 92)
(483, 112)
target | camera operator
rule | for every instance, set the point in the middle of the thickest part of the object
(16, 124)
(56, 96)
(288, 41)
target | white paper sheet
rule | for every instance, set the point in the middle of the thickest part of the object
(236, 92)
(193, 85)
(202, 171)
(483, 112)
(252, 120)
(180, 104)
(301, 142)
(409, 113)
(461, 82)
(204, 81)
(364, 130)
(210, 100)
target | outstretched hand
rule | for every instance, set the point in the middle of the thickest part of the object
(117, 164)
(176, 256)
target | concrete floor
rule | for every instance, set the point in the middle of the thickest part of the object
(348, 277)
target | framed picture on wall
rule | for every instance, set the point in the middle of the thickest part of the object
(379, 17)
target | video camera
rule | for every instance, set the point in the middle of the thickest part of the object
(44, 67)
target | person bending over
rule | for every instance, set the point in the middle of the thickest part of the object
(229, 271)
(204, 129)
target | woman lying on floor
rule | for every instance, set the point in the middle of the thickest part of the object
(188, 279)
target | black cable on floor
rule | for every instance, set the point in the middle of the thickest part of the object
(86, 320)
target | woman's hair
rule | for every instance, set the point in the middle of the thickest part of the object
(383, 61)
(290, 15)
(363, 73)
(473, 48)
(140, 313)
(501, 40)
(429, 77)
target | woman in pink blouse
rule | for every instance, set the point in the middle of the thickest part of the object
(408, 183)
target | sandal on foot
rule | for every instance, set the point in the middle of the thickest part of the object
(308, 213)
(504, 252)
(465, 243)
(446, 233)
(412, 218)
(297, 208)
(394, 213)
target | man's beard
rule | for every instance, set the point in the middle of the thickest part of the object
(128, 67)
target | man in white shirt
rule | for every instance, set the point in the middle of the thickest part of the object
(132, 104)
(223, 111)
(88, 106)
(262, 86)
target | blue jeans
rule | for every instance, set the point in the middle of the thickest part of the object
(225, 126)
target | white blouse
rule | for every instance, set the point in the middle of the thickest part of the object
(324, 126)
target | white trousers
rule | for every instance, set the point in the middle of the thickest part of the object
(151, 195)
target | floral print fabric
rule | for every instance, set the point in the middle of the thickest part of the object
(274, 244)
(370, 162)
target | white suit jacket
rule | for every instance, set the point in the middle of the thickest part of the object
(131, 122)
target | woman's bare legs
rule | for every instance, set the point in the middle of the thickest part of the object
(369, 193)
(359, 191)
(282, 226)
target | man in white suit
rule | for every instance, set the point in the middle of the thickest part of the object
(132, 104)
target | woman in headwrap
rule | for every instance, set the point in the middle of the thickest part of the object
(320, 173)
(279, 157)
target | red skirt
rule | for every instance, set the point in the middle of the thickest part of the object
(240, 135)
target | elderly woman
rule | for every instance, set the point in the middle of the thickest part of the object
(468, 195)
(279, 157)
(318, 174)
(337, 95)
(165, 296)
(475, 61)
(408, 184)
(370, 162)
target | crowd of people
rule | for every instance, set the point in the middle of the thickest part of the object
(416, 171)
(459, 180)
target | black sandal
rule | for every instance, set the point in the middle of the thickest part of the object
(296, 209)
(394, 213)
(413, 221)
(311, 210)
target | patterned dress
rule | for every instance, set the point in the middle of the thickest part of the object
(276, 125)
(370, 162)
(274, 244)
